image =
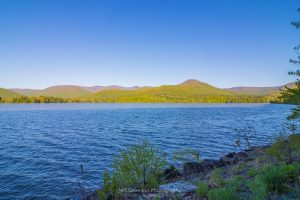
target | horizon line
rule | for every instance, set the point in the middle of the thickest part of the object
(116, 85)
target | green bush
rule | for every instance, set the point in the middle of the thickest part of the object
(228, 190)
(258, 189)
(139, 166)
(276, 178)
(235, 183)
(252, 172)
(102, 195)
(217, 178)
(223, 194)
(202, 189)
(109, 187)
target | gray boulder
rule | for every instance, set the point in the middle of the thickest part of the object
(180, 187)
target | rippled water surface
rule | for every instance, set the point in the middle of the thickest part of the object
(43, 145)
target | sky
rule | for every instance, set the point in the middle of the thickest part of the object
(146, 42)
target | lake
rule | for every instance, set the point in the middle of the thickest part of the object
(43, 145)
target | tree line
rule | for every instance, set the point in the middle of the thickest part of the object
(141, 99)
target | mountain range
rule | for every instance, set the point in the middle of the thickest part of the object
(187, 89)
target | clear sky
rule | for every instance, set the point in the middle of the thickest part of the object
(146, 42)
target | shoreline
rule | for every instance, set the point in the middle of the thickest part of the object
(183, 182)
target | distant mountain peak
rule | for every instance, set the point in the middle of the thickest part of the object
(191, 82)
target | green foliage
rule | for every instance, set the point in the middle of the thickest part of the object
(252, 172)
(139, 166)
(40, 99)
(217, 178)
(110, 186)
(102, 195)
(292, 94)
(235, 183)
(294, 141)
(186, 155)
(107, 184)
(258, 189)
(223, 194)
(277, 178)
(286, 142)
(279, 150)
(202, 189)
(228, 189)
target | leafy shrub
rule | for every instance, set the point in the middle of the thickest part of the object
(109, 187)
(202, 189)
(222, 194)
(291, 172)
(258, 189)
(276, 178)
(102, 195)
(106, 188)
(139, 166)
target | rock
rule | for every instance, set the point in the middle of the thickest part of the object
(171, 173)
(241, 156)
(208, 179)
(180, 187)
(208, 164)
(191, 168)
(233, 158)
(198, 167)
(230, 155)
(225, 161)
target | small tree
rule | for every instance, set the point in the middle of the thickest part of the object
(139, 166)
(292, 94)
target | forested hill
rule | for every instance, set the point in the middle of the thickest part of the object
(190, 91)
(4, 93)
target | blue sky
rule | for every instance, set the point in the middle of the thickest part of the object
(146, 42)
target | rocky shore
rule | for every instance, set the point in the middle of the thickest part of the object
(182, 183)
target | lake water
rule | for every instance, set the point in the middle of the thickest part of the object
(43, 145)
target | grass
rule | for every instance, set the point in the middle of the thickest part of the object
(202, 189)
(228, 190)
(217, 178)
(285, 148)
(258, 189)
(252, 172)
(295, 142)
(277, 178)
(223, 194)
